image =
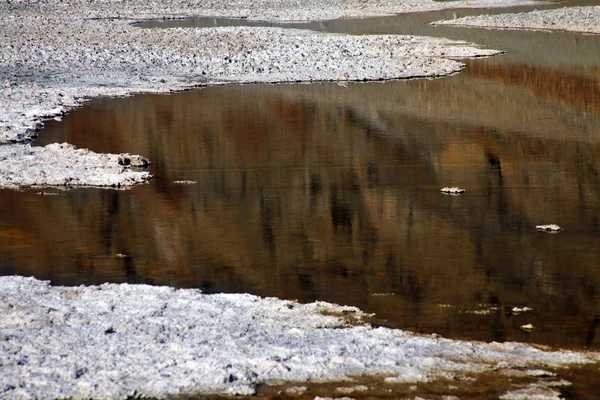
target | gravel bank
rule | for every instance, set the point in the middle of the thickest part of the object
(574, 19)
(124, 341)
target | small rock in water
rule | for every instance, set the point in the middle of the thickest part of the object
(296, 390)
(49, 194)
(452, 190)
(548, 228)
(133, 161)
(527, 328)
(518, 310)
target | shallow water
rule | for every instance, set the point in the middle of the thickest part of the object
(326, 192)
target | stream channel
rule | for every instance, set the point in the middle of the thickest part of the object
(332, 192)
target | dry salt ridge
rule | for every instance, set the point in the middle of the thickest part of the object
(574, 19)
(121, 341)
(115, 341)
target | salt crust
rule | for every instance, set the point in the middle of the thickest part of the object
(56, 54)
(548, 228)
(66, 166)
(113, 341)
(452, 190)
(540, 391)
(574, 19)
(49, 63)
(53, 54)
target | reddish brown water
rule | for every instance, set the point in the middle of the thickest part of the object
(324, 192)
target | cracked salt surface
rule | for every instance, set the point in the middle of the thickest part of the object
(112, 341)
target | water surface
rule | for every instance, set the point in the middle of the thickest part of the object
(326, 192)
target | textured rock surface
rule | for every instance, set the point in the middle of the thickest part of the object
(575, 19)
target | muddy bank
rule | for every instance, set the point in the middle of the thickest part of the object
(574, 19)
(122, 341)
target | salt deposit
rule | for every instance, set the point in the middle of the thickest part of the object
(452, 190)
(114, 341)
(46, 71)
(65, 166)
(55, 55)
(574, 19)
(527, 327)
(552, 228)
(519, 310)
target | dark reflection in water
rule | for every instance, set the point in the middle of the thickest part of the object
(332, 193)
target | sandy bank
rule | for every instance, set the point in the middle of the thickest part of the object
(574, 19)
(113, 341)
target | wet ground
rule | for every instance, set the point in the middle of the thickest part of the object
(329, 192)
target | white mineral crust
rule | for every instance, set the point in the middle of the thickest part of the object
(56, 54)
(63, 165)
(548, 228)
(113, 341)
(574, 19)
(452, 190)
